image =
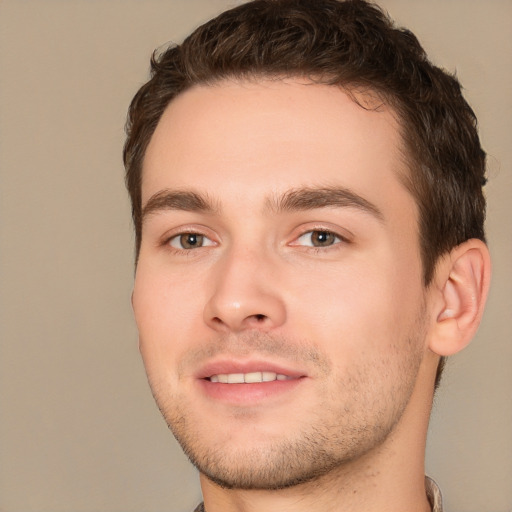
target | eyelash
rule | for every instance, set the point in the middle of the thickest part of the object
(336, 240)
(178, 236)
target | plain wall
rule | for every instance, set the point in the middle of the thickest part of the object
(78, 428)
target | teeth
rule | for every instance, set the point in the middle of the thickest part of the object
(253, 377)
(248, 378)
(268, 376)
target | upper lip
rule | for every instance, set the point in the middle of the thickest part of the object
(230, 366)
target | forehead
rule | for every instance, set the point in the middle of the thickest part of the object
(260, 137)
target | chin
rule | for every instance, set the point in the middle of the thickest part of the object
(270, 463)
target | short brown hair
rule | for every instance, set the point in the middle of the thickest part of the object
(350, 44)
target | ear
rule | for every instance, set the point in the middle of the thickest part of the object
(462, 283)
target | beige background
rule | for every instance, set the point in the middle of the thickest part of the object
(78, 429)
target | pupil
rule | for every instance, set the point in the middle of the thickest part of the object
(323, 238)
(190, 240)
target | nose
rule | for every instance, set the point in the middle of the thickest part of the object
(245, 294)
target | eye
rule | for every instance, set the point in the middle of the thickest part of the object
(318, 238)
(189, 241)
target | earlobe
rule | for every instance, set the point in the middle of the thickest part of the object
(463, 279)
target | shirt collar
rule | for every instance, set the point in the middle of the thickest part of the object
(434, 495)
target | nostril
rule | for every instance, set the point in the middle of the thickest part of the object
(260, 318)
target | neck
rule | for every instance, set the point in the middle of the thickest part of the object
(337, 492)
(388, 478)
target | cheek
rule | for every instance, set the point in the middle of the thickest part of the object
(167, 312)
(365, 309)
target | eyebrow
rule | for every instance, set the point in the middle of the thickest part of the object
(178, 200)
(310, 198)
(299, 199)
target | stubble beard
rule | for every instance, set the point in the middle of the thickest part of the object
(357, 412)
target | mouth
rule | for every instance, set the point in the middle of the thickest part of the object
(246, 383)
(249, 378)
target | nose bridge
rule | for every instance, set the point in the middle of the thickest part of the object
(244, 294)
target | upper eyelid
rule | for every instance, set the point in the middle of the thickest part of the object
(343, 234)
(166, 243)
(330, 231)
(340, 240)
(179, 235)
(185, 230)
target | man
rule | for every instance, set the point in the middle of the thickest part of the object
(307, 198)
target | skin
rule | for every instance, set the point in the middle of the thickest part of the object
(272, 279)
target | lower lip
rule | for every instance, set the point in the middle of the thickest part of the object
(248, 394)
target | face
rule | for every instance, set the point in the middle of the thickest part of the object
(278, 292)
